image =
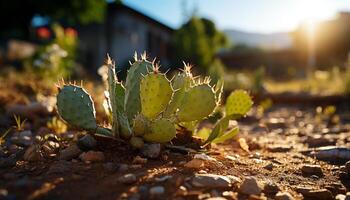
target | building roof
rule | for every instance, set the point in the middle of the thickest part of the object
(113, 7)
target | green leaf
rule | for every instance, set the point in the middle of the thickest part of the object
(228, 135)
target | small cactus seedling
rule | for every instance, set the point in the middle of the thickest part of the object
(150, 107)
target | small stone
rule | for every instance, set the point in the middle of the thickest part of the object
(3, 193)
(123, 167)
(151, 150)
(347, 196)
(195, 164)
(33, 154)
(211, 181)
(59, 167)
(163, 178)
(70, 152)
(322, 194)
(127, 179)
(8, 162)
(271, 188)
(283, 196)
(319, 141)
(216, 198)
(279, 148)
(23, 138)
(50, 147)
(347, 166)
(92, 156)
(269, 166)
(109, 166)
(139, 160)
(156, 190)
(87, 142)
(340, 197)
(311, 170)
(250, 186)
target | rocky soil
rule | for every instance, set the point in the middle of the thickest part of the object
(288, 153)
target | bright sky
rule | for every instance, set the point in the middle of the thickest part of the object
(263, 16)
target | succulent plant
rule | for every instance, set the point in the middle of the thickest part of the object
(150, 106)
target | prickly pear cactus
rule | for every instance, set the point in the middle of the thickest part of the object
(197, 103)
(161, 130)
(155, 94)
(239, 102)
(132, 102)
(76, 107)
(181, 83)
(140, 125)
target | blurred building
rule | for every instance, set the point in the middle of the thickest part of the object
(123, 32)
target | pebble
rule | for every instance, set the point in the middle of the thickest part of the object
(109, 166)
(347, 166)
(311, 170)
(195, 164)
(59, 167)
(279, 148)
(211, 181)
(319, 141)
(163, 178)
(271, 188)
(269, 166)
(23, 138)
(70, 152)
(340, 197)
(123, 167)
(139, 160)
(151, 150)
(156, 190)
(33, 154)
(321, 194)
(8, 162)
(50, 147)
(92, 156)
(87, 142)
(127, 179)
(283, 196)
(250, 186)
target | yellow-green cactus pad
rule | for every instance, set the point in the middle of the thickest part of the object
(132, 102)
(76, 107)
(197, 103)
(140, 125)
(239, 102)
(161, 130)
(155, 94)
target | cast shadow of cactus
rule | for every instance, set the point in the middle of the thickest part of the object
(150, 107)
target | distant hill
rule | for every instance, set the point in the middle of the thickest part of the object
(265, 41)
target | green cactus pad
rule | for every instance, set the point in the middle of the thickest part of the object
(239, 102)
(124, 126)
(76, 107)
(132, 102)
(180, 84)
(161, 130)
(140, 125)
(197, 103)
(155, 93)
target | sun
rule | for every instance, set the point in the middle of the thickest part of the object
(312, 10)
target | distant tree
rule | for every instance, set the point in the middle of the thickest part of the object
(197, 41)
(16, 15)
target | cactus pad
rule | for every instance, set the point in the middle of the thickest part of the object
(76, 107)
(161, 130)
(140, 125)
(197, 103)
(155, 94)
(239, 102)
(132, 102)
